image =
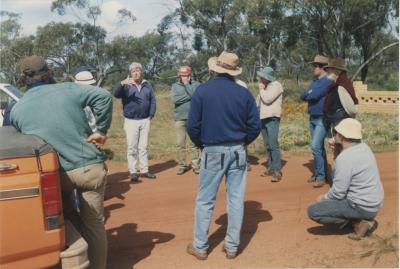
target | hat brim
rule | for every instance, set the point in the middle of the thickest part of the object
(86, 82)
(212, 65)
(349, 134)
(336, 67)
(269, 78)
(324, 64)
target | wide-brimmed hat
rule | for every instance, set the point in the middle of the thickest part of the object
(319, 59)
(225, 63)
(84, 77)
(184, 70)
(32, 66)
(267, 73)
(350, 128)
(337, 63)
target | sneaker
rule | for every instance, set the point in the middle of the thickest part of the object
(311, 179)
(134, 177)
(192, 251)
(181, 171)
(229, 254)
(318, 183)
(363, 228)
(276, 176)
(148, 175)
(196, 171)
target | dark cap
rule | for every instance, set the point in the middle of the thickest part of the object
(33, 65)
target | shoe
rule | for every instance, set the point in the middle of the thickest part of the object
(134, 178)
(148, 175)
(196, 171)
(229, 254)
(311, 179)
(276, 177)
(248, 167)
(192, 251)
(363, 228)
(318, 183)
(181, 171)
(267, 173)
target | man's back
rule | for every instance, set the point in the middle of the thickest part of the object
(55, 113)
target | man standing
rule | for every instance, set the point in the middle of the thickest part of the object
(139, 107)
(55, 113)
(357, 194)
(181, 93)
(223, 119)
(314, 96)
(270, 104)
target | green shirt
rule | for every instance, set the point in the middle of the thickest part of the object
(181, 95)
(54, 112)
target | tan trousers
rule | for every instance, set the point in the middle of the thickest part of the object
(181, 135)
(90, 181)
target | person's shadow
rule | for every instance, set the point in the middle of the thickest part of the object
(160, 167)
(253, 215)
(283, 163)
(117, 184)
(330, 229)
(128, 246)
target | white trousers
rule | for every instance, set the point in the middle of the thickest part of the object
(137, 136)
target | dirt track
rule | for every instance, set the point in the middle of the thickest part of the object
(149, 224)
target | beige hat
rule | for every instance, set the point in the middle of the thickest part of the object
(349, 128)
(337, 63)
(84, 77)
(225, 63)
(319, 59)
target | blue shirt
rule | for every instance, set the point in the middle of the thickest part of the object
(137, 104)
(221, 111)
(315, 96)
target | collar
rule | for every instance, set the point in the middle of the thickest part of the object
(36, 84)
(225, 77)
(322, 76)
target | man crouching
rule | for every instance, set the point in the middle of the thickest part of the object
(356, 194)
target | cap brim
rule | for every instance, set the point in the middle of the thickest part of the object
(85, 82)
(212, 65)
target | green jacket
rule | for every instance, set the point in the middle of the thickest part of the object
(54, 112)
(181, 95)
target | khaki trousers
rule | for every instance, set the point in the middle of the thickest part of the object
(181, 135)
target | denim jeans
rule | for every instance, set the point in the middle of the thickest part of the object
(181, 138)
(318, 134)
(339, 212)
(331, 120)
(218, 161)
(270, 133)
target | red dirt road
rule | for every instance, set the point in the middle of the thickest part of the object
(149, 224)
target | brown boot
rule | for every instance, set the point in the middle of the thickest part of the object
(192, 251)
(318, 183)
(229, 254)
(362, 228)
(276, 176)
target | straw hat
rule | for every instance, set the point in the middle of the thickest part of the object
(267, 73)
(337, 63)
(349, 128)
(319, 59)
(184, 70)
(225, 63)
(84, 77)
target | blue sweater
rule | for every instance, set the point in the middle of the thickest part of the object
(221, 111)
(315, 96)
(136, 104)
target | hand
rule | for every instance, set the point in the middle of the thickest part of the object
(261, 86)
(127, 81)
(320, 197)
(331, 143)
(97, 139)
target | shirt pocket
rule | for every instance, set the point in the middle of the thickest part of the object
(214, 161)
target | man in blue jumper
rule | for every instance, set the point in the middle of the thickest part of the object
(223, 119)
(315, 98)
(139, 106)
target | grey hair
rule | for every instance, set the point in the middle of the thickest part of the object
(135, 65)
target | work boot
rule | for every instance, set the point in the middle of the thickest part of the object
(229, 254)
(192, 251)
(134, 178)
(276, 176)
(181, 171)
(196, 171)
(311, 179)
(363, 228)
(248, 167)
(148, 175)
(267, 173)
(318, 183)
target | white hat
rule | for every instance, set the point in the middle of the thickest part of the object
(84, 77)
(349, 128)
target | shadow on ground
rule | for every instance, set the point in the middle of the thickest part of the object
(253, 215)
(329, 230)
(160, 167)
(128, 246)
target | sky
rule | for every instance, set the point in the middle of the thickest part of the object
(148, 14)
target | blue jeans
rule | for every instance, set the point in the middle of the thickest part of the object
(318, 134)
(339, 212)
(218, 161)
(270, 133)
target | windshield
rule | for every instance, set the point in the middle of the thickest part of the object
(14, 91)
